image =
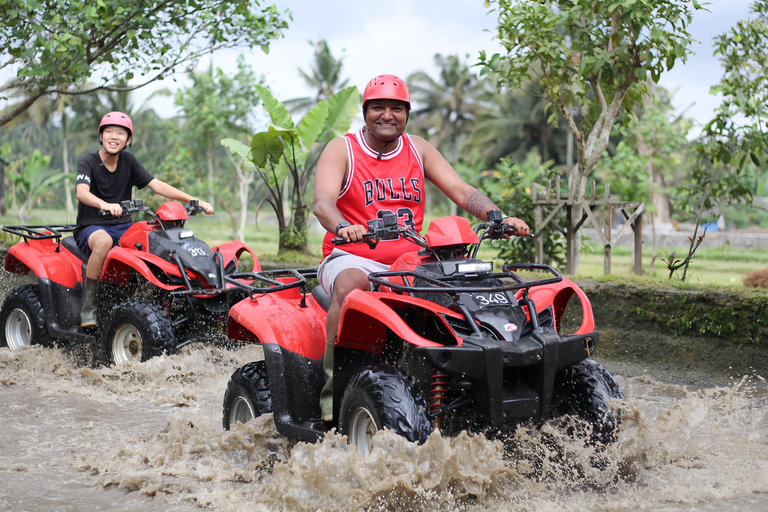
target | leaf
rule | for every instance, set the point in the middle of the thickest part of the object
(267, 147)
(236, 147)
(342, 109)
(276, 110)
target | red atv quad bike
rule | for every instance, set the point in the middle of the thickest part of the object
(441, 341)
(160, 288)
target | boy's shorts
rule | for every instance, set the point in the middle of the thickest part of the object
(116, 231)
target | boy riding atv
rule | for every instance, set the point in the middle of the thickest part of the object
(104, 180)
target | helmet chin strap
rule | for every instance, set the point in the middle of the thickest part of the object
(381, 152)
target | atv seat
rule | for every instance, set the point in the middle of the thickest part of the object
(322, 298)
(71, 244)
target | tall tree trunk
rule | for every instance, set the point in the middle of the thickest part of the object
(68, 206)
(3, 206)
(211, 197)
(659, 197)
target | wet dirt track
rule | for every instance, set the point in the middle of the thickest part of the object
(148, 437)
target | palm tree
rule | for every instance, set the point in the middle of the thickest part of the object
(512, 123)
(445, 110)
(324, 77)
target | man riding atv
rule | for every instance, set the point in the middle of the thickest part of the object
(106, 178)
(371, 173)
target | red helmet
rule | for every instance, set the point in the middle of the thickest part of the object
(386, 87)
(117, 119)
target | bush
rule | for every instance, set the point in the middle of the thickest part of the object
(756, 279)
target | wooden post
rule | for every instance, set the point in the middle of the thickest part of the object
(570, 240)
(637, 246)
(607, 247)
(539, 235)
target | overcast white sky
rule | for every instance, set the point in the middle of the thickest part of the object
(402, 36)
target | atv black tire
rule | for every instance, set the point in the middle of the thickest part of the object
(22, 319)
(379, 397)
(584, 390)
(248, 395)
(137, 330)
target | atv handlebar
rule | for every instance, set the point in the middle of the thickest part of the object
(137, 206)
(385, 228)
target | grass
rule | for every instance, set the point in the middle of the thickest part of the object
(722, 266)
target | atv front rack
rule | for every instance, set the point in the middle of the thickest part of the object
(442, 284)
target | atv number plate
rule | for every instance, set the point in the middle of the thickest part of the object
(491, 299)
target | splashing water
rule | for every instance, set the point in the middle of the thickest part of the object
(148, 436)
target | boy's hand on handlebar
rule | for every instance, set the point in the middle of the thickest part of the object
(207, 207)
(517, 227)
(114, 209)
(353, 234)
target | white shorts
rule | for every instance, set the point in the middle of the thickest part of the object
(339, 261)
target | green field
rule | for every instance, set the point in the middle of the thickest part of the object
(718, 266)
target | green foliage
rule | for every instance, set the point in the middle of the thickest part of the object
(697, 311)
(31, 180)
(509, 186)
(588, 57)
(732, 148)
(57, 44)
(627, 171)
(287, 150)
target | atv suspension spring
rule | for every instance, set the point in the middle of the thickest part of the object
(167, 306)
(437, 389)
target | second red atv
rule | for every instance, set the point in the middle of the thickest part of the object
(160, 288)
(441, 341)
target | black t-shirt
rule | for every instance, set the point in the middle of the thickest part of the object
(112, 187)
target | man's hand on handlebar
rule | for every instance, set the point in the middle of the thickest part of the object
(353, 234)
(517, 227)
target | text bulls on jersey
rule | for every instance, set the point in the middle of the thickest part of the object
(380, 190)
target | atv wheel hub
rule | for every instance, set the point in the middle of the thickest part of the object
(18, 329)
(126, 344)
(362, 428)
(241, 411)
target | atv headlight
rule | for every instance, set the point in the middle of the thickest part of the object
(484, 267)
(186, 233)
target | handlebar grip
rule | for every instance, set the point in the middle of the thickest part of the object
(337, 240)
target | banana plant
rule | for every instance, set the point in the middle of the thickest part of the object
(33, 182)
(287, 153)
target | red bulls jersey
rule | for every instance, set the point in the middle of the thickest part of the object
(374, 187)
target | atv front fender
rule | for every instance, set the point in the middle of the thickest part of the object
(366, 317)
(119, 263)
(273, 319)
(234, 249)
(47, 260)
(557, 295)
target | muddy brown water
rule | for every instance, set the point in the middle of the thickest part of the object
(148, 436)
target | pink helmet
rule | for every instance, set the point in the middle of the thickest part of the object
(117, 119)
(386, 87)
